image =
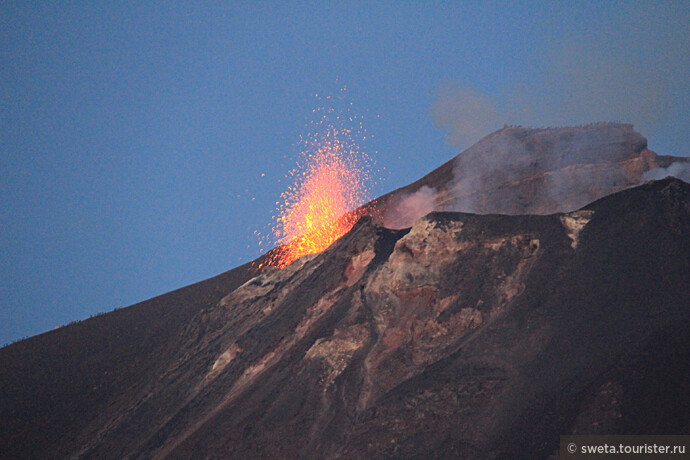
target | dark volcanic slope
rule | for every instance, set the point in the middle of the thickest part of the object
(465, 336)
(477, 336)
(454, 336)
(56, 384)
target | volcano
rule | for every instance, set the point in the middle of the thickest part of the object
(529, 288)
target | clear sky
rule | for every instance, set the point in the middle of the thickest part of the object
(134, 135)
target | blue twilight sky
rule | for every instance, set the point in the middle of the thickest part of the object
(134, 135)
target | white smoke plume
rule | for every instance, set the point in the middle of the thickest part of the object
(634, 70)
(519, 170)
(406, 209)
(676, 169)
(465, 113)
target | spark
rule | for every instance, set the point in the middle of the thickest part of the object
(331, 182)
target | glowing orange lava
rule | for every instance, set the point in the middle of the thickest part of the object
(330, 182)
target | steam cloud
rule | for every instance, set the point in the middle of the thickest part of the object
(405, 210)
(677, 169)
(465, 113)
(635, 72)
(525, 171)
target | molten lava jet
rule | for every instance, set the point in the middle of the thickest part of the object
(330, 182)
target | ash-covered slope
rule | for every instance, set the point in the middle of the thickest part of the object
(466, 335)
(56, 384)
(519, 170)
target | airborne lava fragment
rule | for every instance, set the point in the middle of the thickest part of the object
(331, 181)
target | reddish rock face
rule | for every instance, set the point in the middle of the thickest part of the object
(462, 336)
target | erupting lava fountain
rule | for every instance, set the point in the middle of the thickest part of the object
(331, 181)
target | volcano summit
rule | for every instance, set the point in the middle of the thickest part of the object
(519, 292)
